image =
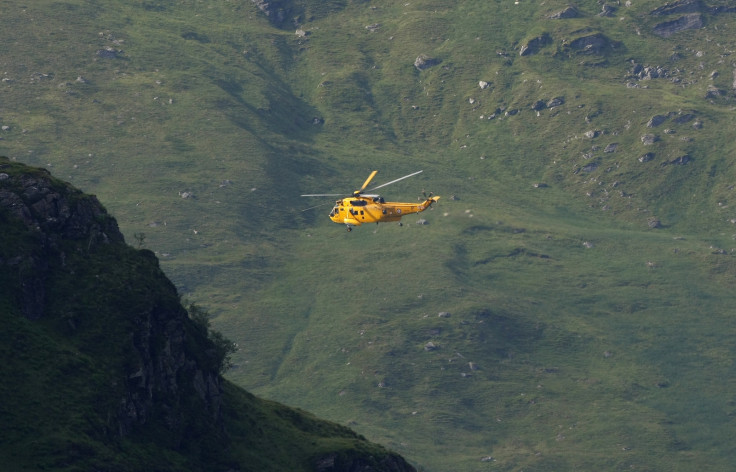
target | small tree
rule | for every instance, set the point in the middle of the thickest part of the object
(222, 348)
(140, 238)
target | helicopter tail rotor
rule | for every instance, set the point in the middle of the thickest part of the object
(429, 200)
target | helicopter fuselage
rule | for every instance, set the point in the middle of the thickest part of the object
(357, 210)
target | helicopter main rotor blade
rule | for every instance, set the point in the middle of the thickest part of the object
(394, 181)
(367, 181)
(317, 206)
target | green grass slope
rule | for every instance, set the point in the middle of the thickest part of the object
(585, 259)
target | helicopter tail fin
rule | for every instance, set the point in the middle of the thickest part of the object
(430, 200)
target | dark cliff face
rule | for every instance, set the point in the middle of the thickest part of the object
(103, 369)
(51, 212)
(68, 267)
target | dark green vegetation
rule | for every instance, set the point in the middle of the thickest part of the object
(103, 369)
(588, 275)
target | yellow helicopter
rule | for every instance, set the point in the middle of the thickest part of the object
(360, 208)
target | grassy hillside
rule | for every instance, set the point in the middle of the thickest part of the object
(105, 370)
(588, 274)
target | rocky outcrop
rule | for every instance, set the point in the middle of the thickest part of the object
(334, 462)
(276, 11)
(569, 12)
(535, 44)
(595, 43)
(53, 212)
(162, 373)
(424, 61)
(678, 7)
(685, 22)
(116, 359)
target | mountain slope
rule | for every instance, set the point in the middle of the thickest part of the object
(583, 247)
(103, 369)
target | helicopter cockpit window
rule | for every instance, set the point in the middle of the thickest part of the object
(358, 203)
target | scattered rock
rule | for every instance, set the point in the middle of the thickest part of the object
(681, 161)
(678, 6)
(714, 92)
(483, 84)
(274, 10)
(535, 44)
(430, 346)
(569, 12)
(649, 139)
(646, 157)
(595, 44)
(444, 314)
(611, 148)
(555, 102)
(648, 72)
(653, 222)
(683, 118)
(685, 22)
(590, 167)
(424, 62)
(108, 53)
(607, 10)
(656, 120)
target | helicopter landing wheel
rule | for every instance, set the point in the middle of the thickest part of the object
(349, 229)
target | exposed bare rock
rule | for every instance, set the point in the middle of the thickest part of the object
(607, 10)
(656, 120)
(555, 102)
(679, 161)
(276, 11)
(649, 139)
(714, 92)
(678, 7)
(334, 462)
(535, 44)
(646, 157)
(683, 118)
(595, 43)
(653, 222)
(423, 61)
(569, 12)
(685, 22)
